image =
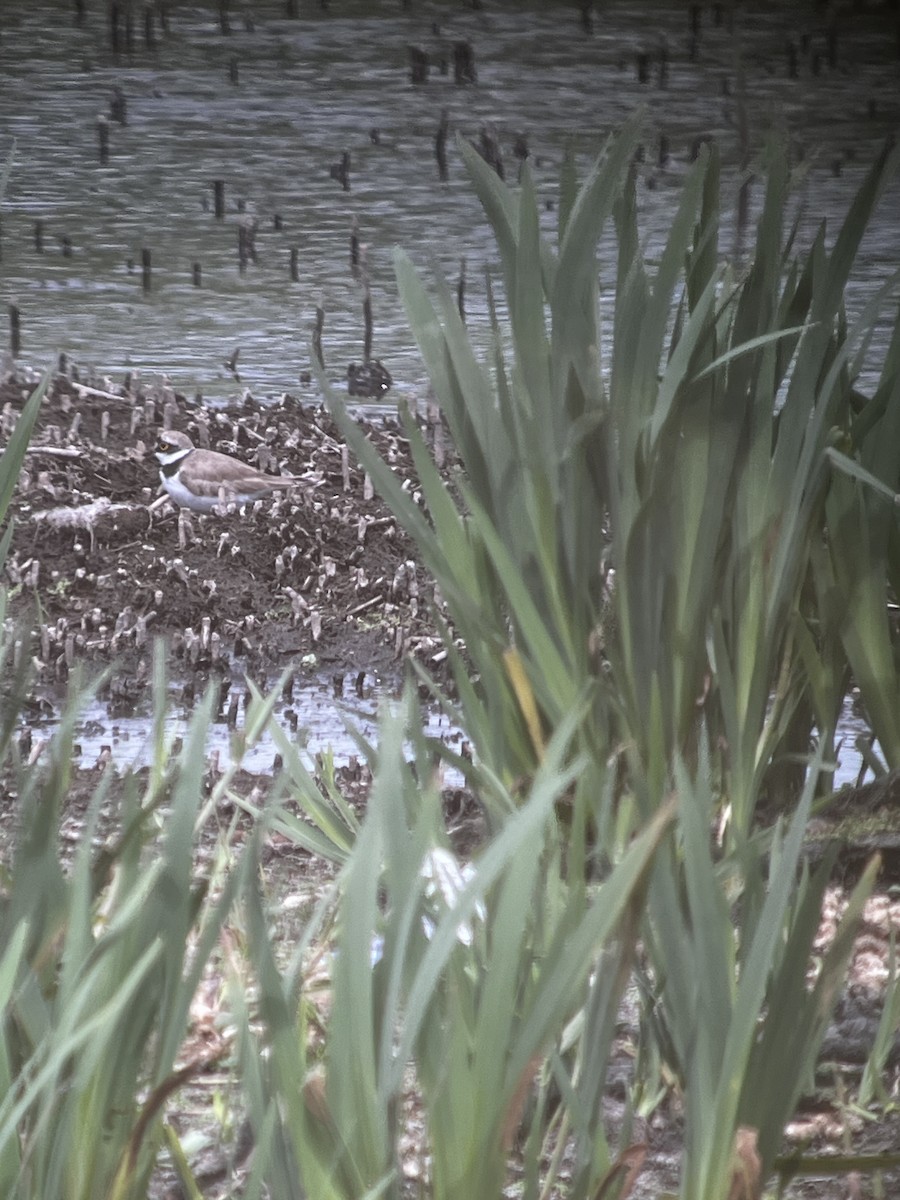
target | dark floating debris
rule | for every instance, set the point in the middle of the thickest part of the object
(369, 379)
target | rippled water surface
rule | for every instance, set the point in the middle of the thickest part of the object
(309, 89)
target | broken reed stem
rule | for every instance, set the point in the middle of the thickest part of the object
(418, 65)
(464, 63)
(743, 126)
(440, 146)
(118, 107)
(103, 139)
(317, 335)
(367, 323)
(354, 247)
(15, 331)
(114, 14)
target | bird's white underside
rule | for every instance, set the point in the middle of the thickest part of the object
(185, 498)
(207, 480)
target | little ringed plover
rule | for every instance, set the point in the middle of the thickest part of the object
(204, 480)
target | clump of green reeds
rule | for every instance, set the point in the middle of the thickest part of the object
(649, 547)
(102, 952)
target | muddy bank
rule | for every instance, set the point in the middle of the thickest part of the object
(321, 577)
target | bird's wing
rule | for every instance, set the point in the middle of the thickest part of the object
(220, 471)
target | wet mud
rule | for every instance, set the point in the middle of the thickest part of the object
(319, 577)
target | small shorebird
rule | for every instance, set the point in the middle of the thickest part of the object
(204, 480)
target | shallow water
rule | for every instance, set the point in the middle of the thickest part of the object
(318, 718)
(311, 88)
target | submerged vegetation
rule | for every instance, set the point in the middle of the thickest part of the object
(669, 554)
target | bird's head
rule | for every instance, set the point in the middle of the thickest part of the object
(172, 445)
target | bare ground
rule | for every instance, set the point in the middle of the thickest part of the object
(322, 573)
